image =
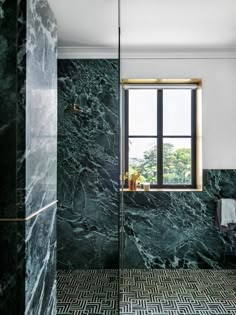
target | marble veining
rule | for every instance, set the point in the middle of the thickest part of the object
(28, 265)
(27, 94)
(177, 229)
(39, 109)
(40, 158)
(28, 137)
(88, 172)
(40, 257)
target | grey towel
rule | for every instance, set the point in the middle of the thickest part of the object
(219, 209)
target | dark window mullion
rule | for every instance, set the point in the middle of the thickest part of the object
(193, 138)
(160, 137)
(126, 149)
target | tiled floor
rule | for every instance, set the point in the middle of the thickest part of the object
(83, 292)
(166, 292)
(178, 292)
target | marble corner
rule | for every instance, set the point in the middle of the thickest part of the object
(40, 107)
(28, 76)
(28, 265)
(40, 263)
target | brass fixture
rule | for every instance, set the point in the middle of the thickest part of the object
(74, 108)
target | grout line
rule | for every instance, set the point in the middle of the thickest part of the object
(30, 216)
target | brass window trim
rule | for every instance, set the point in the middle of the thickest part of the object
(162, 81)
(198, 82)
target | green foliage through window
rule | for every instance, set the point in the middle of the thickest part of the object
(176, 165)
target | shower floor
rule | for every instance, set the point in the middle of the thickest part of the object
(87, 292)
(162, 292)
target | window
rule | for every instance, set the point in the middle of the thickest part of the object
(161, 133)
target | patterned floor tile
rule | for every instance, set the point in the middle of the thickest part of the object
(147, 292)
(178, 292)
(85, 292)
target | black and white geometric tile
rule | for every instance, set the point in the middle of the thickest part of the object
(178, 292)
(151, 292)
(83, 292)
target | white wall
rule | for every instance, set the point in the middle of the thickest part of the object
(219, 100)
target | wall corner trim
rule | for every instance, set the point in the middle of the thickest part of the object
(30, 216)
(181, 52)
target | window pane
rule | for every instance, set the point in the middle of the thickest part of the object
(143, 158)
(177, 112)
(143, 112)
(176, 161)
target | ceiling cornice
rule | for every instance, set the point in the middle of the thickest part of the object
(87, 53)
(198, 52)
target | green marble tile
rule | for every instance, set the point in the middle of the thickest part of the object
(177, 229)
(88, 173)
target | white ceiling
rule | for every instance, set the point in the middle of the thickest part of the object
(146, 24)
(86, 23)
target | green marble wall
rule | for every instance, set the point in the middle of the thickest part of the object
(28, 139)
(88, 172)
(173, 230)
(162, 229)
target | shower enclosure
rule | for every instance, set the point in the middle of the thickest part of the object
(88, 166)
(121, 251)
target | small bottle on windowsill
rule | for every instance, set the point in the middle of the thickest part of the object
(138, 186)
(146, 186)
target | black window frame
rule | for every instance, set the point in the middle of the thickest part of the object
(160, 138)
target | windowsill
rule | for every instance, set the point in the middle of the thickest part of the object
(164, 190)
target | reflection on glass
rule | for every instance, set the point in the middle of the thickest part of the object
(176, 161)
(143, 112)
(143, 158)
(177, 112)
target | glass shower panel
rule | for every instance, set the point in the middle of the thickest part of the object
(170, 240)
(88, 158)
